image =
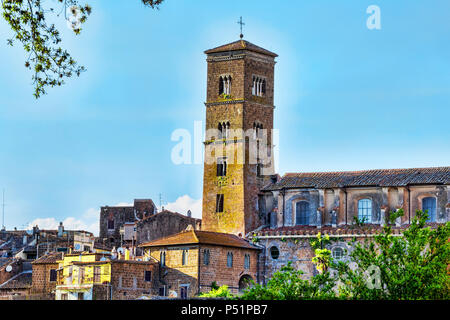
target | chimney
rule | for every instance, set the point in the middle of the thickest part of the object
(189, 214)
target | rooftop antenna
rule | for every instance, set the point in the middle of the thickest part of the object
(242, 24)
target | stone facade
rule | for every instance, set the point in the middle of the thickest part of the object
(241, 110)
(112, 219)
(191, 261)
(197, 276)
(163, 224)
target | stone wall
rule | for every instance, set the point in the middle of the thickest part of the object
(343, 202)
(41, 278)
(198, 276)
(164, 224)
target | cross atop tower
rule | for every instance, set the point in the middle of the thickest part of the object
(242, 24)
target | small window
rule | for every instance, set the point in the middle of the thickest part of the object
(302, 213)
(230, 260)
(221, 167)
(338, 253)
(274, 252)
(111, 224)
(247, 261)
(206, 255)
(185, 257)
(53, 275)
(219, 203)
(429, 206)
(148, 276)
(365, 210)
(162, 292)
(162, 258)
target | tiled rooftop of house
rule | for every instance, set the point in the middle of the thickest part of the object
(381, 178)
(49, 258)
(200, 237)
(21, 281)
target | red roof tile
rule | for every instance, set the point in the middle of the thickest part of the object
(380, 177)
(200, 237)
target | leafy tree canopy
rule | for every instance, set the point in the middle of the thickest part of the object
(49, 64)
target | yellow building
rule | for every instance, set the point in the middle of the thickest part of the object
(93, 276)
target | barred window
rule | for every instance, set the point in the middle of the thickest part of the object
(338, 253)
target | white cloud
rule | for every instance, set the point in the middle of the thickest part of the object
(124, 204)
(89, 221)
(185, 203)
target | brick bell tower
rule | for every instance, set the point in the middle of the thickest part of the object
(238, 138)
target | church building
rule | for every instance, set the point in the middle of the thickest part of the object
(255, 221)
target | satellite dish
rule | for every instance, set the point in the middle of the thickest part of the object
(8, 269)
(120, 250)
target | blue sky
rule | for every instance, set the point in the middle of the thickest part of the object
(347, 98)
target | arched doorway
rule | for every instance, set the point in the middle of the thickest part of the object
(244, 282)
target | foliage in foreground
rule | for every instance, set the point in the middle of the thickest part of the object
(410, 266)
(49, 63)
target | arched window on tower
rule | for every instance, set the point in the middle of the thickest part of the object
(221, 85)
(220, 129)
(225, 85)
(228, 85)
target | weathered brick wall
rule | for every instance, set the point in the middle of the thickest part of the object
(218, 271)
(299, 252)
(241, 185)
(120, 215)
(164, 224)
(128, 279)
(41, 278)
(174, 274)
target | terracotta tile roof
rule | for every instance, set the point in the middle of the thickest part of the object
(241, 45)
(200, 237)
(21, 281)
(49, 258)
(367, 229)
(380, 177)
